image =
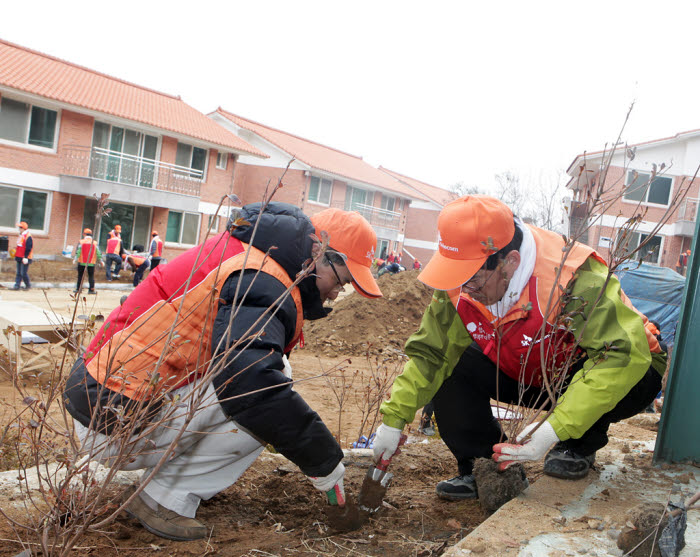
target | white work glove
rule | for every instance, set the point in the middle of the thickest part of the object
(332, 485)
(25, 261)
(386, 443)
(533, 449)
(287, 367)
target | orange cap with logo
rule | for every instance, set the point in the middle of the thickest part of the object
(470, 229)
(22, 225)
(350, 234)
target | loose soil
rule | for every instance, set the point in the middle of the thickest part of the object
(273, 509)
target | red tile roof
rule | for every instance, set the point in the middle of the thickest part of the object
(438, 195)
(324, 158)
(39, 74)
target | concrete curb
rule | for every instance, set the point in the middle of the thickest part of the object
(71, 285)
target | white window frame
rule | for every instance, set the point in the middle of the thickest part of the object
(215, 228)
(18, 212)
(321, 182)
(180, 242)
(637, 238)
(26, 144)
(220, 156)
(628, 180)
(190, 167)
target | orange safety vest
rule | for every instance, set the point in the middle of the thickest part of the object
(159, 247)
(520, 333)
(88, 251)
(21, 245)
(124, 354)
(114, 245)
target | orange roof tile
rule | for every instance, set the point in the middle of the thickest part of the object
(43, 75)
(324, 158)
(438, 195)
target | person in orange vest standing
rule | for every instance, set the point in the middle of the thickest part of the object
(114, 253)
(86, 256)
(156, 249)
(23, 256)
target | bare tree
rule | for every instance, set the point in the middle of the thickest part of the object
(460, 188)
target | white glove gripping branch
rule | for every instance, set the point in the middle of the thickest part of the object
(533, 449)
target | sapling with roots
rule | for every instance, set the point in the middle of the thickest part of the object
(567, 312)
(64, 493)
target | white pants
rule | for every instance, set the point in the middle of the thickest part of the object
(210, 455)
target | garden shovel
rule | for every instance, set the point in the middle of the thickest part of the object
(376, 482)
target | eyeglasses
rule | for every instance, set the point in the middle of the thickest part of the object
(340, 283)
(474, 285)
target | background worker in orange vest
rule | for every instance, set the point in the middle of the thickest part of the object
(86, 256)
(156, 249)
(249, 401)
(491, 319)
(114, 253)
(138, 261)
(23, 256)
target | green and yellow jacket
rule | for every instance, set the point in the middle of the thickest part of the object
(611, 333)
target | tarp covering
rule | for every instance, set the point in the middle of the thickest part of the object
(655, 291)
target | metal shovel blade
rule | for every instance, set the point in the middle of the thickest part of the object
(373, 489)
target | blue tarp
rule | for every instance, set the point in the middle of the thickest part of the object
(655, 291)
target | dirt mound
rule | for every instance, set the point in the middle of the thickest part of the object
(361, 325)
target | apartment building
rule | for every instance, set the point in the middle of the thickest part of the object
(642, 179)
(316, 176)
(69, 134)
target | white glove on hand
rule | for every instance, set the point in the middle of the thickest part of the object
(25, 261)
(386, 442)
(287, 367)
(332, 485)
(533, 449)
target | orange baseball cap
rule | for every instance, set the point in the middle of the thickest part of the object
(470, 229)
(87, 231)
(351, 234)
(118, 227)
(23, 225)
(154, 233)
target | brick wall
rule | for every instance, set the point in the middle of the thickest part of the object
(251, 180)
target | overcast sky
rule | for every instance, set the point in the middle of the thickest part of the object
(440, 91)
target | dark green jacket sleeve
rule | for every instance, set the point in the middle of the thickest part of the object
(613, 337)
(433, 352)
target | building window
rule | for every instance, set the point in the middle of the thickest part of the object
(213, 223)
(221, 159)
(638, 188)
(382, 248)
(193, 158)
(123, 155)
(649, 253)
(320, 190)
(388, 203)
(183, 228)
(23, 205)
(27, 124)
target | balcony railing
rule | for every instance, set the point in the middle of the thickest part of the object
(374, 215)
(122, 168)
(688, 209)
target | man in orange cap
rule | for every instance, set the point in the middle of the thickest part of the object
(23, 256)
(238, 309)
(87, 254)
(483, 337)
(156, 250)
(114, 253)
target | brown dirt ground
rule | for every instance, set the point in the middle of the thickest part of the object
(272, 509)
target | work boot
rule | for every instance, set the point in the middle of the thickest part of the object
(164, 522)
(457, 488)
(562, 462)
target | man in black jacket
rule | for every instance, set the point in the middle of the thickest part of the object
(147, 355)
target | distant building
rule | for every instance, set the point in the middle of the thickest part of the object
(319, 177)
(630, 169)
(69, 134)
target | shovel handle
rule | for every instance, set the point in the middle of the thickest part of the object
(383, 464)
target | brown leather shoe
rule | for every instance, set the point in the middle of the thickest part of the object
(166, 523)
